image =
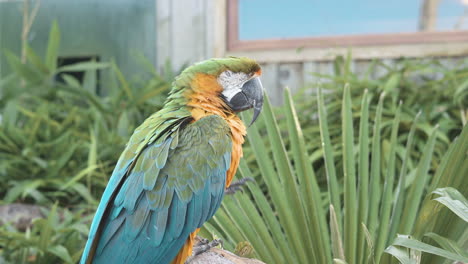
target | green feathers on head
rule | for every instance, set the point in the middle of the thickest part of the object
(218, 65)
(212, 67)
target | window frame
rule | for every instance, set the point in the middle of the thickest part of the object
(235, 45)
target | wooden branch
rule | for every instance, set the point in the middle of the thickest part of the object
(220, 256)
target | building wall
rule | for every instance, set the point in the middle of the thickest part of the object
(111, 29)
(193, 30)
(186, 31)
(297, 75)
(181, 31)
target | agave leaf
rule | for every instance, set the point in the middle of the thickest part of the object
(350, 198)
(333, 190)
(296, 206)
(363, 166)
(402, 255)
(454, 200)
(417, 188)
(387, 195)
(448, 244)
(405, 241)
(337, 243)
(310, 191)
(400, 191)
(268, 215)
(374, 181)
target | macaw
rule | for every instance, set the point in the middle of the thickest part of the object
(173, 173)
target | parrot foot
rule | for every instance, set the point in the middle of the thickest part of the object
(237, 185)
(204, 245)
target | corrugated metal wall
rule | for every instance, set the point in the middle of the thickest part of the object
(118, 29)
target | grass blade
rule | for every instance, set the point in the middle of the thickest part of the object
(230, 228)
(400, 191)
(454, 200)
(53, 47)
(363, 184)
(400, 254)
(448, 244)
(288, 180)
(262, 232)
(310, 191)
(333, 190)
(350, 199)
(337, 243)
(404, 241)
(268, 215)
(235, 212)
(387, 196)
(417, 188)
(374, 180)
(280, 199)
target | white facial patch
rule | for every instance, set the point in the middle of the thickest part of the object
(232, 83)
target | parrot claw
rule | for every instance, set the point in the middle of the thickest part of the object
(237, 186)
(204, 245)
(202, 241)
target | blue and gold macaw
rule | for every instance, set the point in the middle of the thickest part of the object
(172, 175)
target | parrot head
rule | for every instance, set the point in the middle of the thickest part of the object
(225, 84)
(242, 88)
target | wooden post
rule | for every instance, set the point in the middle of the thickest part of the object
(428, 15)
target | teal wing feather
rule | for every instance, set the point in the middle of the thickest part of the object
(170, 188)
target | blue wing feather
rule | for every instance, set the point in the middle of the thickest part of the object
(175, 185)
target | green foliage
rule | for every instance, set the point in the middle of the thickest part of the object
(450, 249)
(54, 134)
(59, 142)
(427, 86)
(56, 239)
(285, 216)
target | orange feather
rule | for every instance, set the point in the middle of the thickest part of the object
(204, 101)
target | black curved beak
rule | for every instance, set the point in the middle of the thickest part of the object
(250, 96)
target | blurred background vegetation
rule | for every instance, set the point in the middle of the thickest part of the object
(60, 139)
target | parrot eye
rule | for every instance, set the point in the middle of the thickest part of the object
(242, 91)
(232, 83)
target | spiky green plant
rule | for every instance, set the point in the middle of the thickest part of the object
(288, 218)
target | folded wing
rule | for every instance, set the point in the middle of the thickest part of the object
(169, 188)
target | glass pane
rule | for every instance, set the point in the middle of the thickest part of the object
(261, 19)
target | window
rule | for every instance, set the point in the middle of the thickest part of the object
(263, 24)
